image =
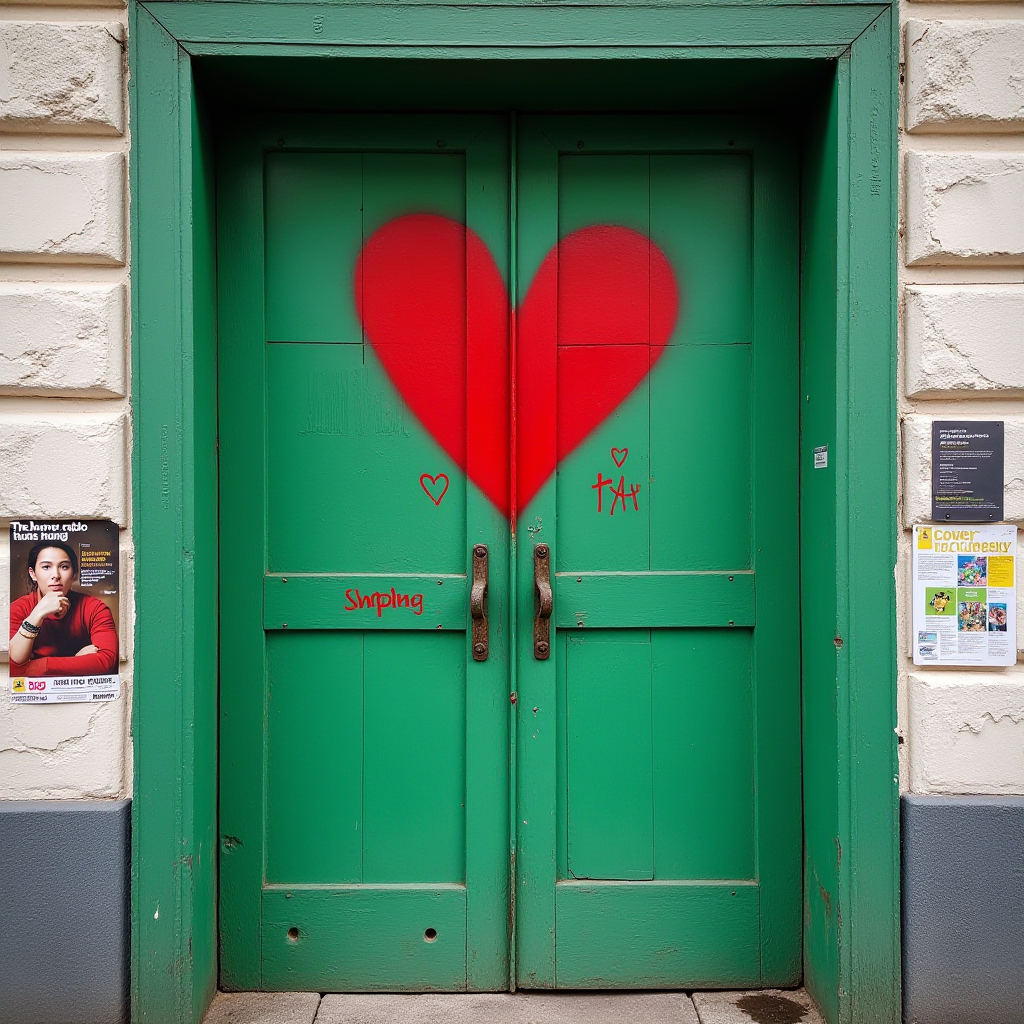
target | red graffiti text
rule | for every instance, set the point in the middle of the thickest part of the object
(618, 493)
(383, 599)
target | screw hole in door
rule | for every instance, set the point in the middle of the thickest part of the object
(430, 935)
(293, 934)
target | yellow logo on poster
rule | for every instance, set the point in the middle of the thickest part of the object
(18, 686)
(924, 538)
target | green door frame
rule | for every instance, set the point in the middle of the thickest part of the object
(848, 364)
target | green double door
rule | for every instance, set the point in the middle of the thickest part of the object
(509, 586)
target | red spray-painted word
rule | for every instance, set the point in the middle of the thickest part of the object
(618, 493)
(381, 600)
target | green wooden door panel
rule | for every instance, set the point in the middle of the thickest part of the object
(345, 460)
(616, 188)
(365, 938)
(659, 599)
(618, 534)
(313, 211)
(701, 216)
(704, 778)
(348, 811)
(401, 183)
(658, 935)
(609, 760)
(414, 740)
(643, 750)
(314, 826)
(365, 601)
(701, 457)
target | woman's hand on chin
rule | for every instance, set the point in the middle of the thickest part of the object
(88, 649)
(51, 603)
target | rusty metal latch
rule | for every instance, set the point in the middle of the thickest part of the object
(544, 603)
(478, 603)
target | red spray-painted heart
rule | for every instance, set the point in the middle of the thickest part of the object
(595, 320)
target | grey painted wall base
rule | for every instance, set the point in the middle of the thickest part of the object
(963, 910)
(64, 911)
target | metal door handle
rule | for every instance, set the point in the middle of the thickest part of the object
(478, 603)
(544, 604)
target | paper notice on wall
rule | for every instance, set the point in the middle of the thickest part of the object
(65, 607)
(965, 595)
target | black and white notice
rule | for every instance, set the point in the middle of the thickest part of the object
(967, 471)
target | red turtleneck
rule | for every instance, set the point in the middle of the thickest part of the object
(87, 621)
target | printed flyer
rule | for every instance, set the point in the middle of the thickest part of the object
(64, 611)
(965, 595)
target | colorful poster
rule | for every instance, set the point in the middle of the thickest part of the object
(965, 595)
(65, 611)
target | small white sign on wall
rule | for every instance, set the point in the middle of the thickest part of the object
(965, 595)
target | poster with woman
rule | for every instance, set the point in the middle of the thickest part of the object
(64, 611)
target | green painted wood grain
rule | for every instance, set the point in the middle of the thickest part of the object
(556, 54)
(701, 460)
(414, 757)
(659, 599)
(333, 947)
(820, 324)
(869, 781)
(700, 212)
(775, 414)
(609, 756)
(616, 539)
(337, 466)
(315, 601)
(605, 189)
(173, 809)
(314, 766)
(241, 399)
(314, 211)
(703, 726)
(344, 461)
(708, 415)
(526, 27)
(537, 705)
(658, 934)
(396, 184)
(488, 710)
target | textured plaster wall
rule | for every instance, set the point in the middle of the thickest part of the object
(65, 421)
(961, 347)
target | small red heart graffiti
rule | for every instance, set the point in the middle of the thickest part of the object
(619, 456)
(430, 485)
(595, 320)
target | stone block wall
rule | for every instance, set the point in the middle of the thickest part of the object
(65, 420)
(962, 347)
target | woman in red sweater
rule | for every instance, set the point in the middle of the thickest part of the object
(56, 631)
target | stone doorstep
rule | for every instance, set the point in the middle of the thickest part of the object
(761, 1007)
